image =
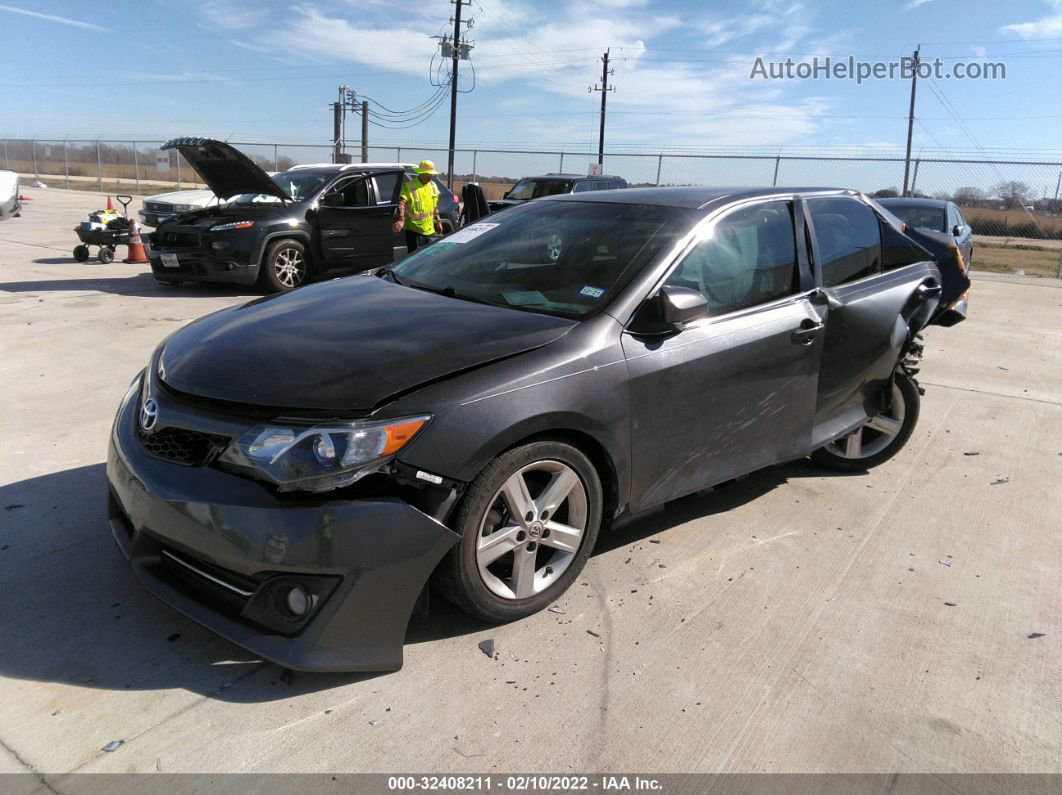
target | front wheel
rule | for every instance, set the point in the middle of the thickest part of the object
(881, 437)
(528, 524)
(81, 253)
(106, 255)
(285, 266)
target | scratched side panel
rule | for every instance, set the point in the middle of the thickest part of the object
(720, 399)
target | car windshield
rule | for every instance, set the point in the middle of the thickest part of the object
(299, 185)
(920, 215)
(558, 258)
(537, 188)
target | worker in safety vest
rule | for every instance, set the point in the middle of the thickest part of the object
(418, 207)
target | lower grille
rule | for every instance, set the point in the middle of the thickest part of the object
(209, 584)
(176, 239)
(182, 446)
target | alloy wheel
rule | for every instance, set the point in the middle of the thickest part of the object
(877, 434)
(532, 529)
(289, 266)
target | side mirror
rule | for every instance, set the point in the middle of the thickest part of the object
(956, 230)
(681, 305)
(506, 194)
(669, 311)
(332, 199)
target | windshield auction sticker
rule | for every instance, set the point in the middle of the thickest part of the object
(469, 233)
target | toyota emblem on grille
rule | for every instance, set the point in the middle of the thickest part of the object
(149, 414)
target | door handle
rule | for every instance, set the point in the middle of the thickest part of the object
(805, 335)
(926, 290)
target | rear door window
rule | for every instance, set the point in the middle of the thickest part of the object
(749, 259)
(848, 237)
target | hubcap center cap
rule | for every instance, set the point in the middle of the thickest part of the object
(534, 530)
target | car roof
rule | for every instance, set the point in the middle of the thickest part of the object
(691, 198)
(912, 201)
(335, 168)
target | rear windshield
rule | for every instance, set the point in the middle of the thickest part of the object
(537, 188)
(557, 258)
(299, 185)
(919, 215)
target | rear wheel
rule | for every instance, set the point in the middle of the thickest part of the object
(881, 437)
(106, 255)
(81, 253)
(285, 266)
(528, 524)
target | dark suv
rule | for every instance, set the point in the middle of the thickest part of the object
(280, 231)
(552, 185)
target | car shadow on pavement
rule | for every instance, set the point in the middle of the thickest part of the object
(75, 614)
(140, 284)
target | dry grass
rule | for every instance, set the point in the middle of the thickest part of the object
(1009, 259)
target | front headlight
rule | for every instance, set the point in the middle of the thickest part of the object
(233, 225)
(321, 457)
(184, 208)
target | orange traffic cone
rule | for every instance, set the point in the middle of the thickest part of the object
(137, 252)
(110, 204)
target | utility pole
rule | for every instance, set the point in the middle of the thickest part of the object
(365, 131)
(460, 50)
(337, 130)
(910, 120)
(604, 89)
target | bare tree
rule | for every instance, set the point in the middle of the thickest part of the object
(886, 193)
(1013, 194)
(969, 196)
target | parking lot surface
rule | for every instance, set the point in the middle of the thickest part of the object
(906, 619)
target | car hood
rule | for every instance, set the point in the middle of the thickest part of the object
(227, 171)
(206, 217)
(348, 345)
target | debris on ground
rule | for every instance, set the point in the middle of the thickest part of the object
(945, 563)
(487, 647)
(972, 452)
(555, 609)
(654, 540)
(997, 481)
(951, 604)
(374, 722)
(591, 632)
(1035, 635)
(13, 506)
(113, 745)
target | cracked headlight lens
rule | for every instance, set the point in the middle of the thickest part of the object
(319, 457)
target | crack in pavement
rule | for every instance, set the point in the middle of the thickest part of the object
(993, 394)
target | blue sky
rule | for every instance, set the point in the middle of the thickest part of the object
(265, 71)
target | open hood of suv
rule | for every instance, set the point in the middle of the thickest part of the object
(226, 170)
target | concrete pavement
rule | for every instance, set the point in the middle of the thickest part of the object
(793, 621)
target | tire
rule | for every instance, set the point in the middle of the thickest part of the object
(482, 573)
(285, 266)
(106, 255)
(875, 442)
(81, 253)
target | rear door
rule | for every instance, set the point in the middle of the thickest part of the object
(735, 391)
(870, 307)
(354, 221)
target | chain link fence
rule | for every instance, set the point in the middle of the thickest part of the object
(1013, 204)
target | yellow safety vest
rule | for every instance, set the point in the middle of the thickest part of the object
(421, 202)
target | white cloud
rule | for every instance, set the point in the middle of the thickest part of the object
(1042, 28)
(916, 4)
(52, 18)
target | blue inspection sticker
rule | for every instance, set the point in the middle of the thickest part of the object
(592, 292)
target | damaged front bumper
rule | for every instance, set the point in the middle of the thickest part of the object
(227, 553)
